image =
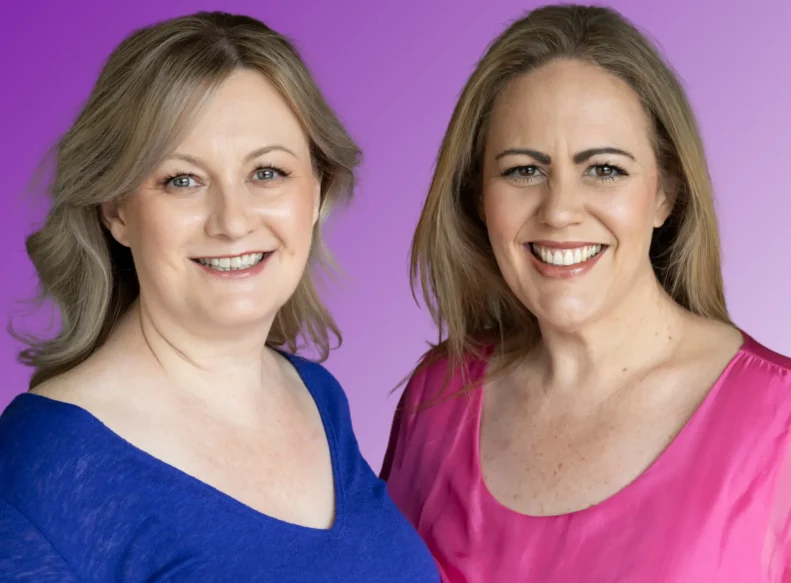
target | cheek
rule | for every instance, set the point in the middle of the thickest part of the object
(158, 228)
(504, 215)
(629, 215)
(292, 218)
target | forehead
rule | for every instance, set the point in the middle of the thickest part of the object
(246, 107)
(571, 101)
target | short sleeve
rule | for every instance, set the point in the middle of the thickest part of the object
(25, 554)
(392, 442)
(410, 402)
(777, 547)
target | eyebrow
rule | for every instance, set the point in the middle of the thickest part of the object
(578, 157)
(540, 156)
(587, 154)
(251, 156)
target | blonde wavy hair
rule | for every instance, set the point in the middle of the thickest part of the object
(150, 89)
(452, 260)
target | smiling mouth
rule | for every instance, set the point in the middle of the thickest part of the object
(233, 263)
(566, 256)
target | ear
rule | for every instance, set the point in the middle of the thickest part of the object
(112, 214)
(317, 201)
(665, 201)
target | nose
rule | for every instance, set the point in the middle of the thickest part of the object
(563, 203)
(230, 215)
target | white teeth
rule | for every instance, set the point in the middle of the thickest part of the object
(567, 256)
(558, 258)
(233, 263)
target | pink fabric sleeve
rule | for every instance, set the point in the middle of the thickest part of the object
(777, 547)
(392, 442)
(408, 405)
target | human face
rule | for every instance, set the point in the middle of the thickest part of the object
(571, 192)
(221, 231)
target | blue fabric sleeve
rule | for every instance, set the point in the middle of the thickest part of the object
(25, 554)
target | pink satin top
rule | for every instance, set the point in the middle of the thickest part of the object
(714, 507)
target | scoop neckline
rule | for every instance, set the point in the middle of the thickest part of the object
(628, 489)
(228, 501)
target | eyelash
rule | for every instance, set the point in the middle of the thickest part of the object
(619, 171)
(170, 177)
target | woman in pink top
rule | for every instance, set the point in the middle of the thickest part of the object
(616, 426)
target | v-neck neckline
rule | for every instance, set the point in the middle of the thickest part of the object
(197, 484)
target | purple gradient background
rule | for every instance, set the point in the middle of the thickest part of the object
(393, 71)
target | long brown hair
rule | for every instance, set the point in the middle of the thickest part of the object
(153, 84)
(452, 260)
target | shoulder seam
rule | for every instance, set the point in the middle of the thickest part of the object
(42, 535)
(771, 360)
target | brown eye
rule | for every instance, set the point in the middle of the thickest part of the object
(526, 171)
(529, 171)
(604, 171)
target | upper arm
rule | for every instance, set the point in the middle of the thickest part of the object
(395, 430)
(25, 554)
(408, 405)
(777, 540)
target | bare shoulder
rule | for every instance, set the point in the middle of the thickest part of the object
(709, 340)
(87, 385)
(717, 340)
(719, 347)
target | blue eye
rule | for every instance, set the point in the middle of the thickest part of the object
(181, 181)
(268, 173)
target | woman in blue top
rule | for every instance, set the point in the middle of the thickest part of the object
(170, 434)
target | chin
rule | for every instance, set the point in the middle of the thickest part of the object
(565, 316)
(239, 314)
(566, 326)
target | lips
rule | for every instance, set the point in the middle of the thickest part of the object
(564, 260)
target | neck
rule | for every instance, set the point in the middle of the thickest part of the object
(637, 334)
(225, 373)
